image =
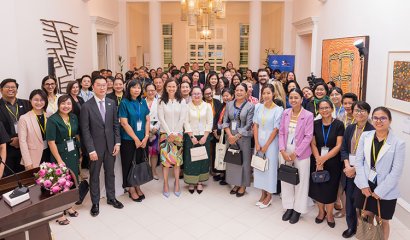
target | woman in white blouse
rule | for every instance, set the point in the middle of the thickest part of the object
(171, 113)
(49, 86)
(198, 125)
(153, 146)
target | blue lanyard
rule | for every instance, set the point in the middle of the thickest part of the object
(326, 137)
(139, 109)
(236, 110)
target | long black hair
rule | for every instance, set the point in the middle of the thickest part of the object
(165, 96)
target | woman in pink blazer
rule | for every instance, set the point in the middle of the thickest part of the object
(31, 132)
(295, 135)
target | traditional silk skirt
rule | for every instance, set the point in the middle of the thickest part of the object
(171, 153)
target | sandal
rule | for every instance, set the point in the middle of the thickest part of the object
(63, 222)
(71, 214)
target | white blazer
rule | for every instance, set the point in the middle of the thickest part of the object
(389, 164)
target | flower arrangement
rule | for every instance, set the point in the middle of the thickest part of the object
(54, 178)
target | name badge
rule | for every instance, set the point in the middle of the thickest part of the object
(45, 144)
(139, 125)
(233, 125)
(372, 175)
(352, 158)
(70, 145)
(16, 128)
(324, 151)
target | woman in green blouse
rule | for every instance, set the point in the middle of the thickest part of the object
(62, 134)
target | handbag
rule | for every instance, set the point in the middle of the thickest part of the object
(220, 150)
(234, 155)
(288, 174)
(260, 163)
(139, 173)
(366, 230)
(198, 153)
(320, 176)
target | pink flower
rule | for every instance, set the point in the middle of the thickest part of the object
(49, 165)
(42, 173)
(38, 181)
(66, 189)
(68, 184)
(56, 189)
(68, 177)
(58, 172)
(53, 165)
(47, 183)
(61, 181)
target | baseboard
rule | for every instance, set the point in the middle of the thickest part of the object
(402, 212)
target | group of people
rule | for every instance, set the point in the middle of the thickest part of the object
(177, 118)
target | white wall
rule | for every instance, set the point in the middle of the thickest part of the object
(22, 44)
(386, 24)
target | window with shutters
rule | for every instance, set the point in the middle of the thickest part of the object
(167, 44)
(243, 46)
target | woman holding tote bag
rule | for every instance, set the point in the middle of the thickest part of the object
(198, 126)
(295, 135)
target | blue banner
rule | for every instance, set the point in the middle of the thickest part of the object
(285, 63)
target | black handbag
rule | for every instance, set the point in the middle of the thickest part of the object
(320, 176)
(288, 174)
(234, 155)
(140, 173)
(83, 189)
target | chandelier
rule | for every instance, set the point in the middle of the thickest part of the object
(202, 13)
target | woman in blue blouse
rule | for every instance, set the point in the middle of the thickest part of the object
(134, 118)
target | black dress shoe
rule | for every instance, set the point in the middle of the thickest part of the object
(217, 178)
(286, 216)
(294, 218)
(115, 203)
(234, 191)
(142, 197)
(331, 224)
(349, 233)
(318, 220)
(95, 210)
(223, 182)
(238, 194)
(139, 199)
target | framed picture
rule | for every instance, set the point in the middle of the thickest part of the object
(341, 64)
(398, 82)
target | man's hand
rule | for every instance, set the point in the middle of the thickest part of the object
(93, 156)
(116, 150)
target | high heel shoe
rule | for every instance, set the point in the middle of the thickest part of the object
(199, 191)
(177, 193)
(191, 189)
(318, 220)
(139, 199)
(262, 206)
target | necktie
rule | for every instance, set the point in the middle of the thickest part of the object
(102, 110)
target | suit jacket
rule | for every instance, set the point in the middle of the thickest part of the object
(30, 139)
(303, 133)
(23, 106)
(389, 165)
(98, 135)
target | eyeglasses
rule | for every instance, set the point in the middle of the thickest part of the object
(379, 119)
(324, 108)
(10, 87)
(50, 84)
(360, 111)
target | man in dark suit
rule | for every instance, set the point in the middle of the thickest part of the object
(101, 136)
(11, 109)
(263, 78)
(204, 74)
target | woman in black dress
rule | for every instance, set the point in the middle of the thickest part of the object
(326, 144)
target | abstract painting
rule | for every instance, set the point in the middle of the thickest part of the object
(62, 46)
(341, 64)
(398, 82)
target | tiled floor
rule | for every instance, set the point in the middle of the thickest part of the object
(213, 215)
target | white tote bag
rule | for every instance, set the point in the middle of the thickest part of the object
(220, 150)
(260, 163)
(198, 154)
